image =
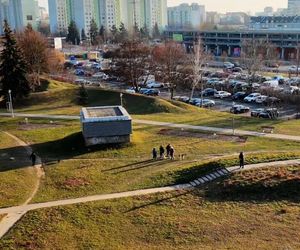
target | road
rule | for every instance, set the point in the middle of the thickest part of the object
(172, 125)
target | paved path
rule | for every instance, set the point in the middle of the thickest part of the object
(200, 181)
(12, 217)
(172, 125)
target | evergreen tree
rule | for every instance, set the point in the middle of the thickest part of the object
(83, 35)
(156, 32)
(93, 32)
(73, 34)
(123, 32)
(145, 32)
(12, 66)
(136, 31)
(114, 32)
(83, 96)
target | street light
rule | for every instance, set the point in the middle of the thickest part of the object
(121, 98)
(11, 104)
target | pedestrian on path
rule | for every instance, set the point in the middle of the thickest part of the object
(168, 148)
(172, 152)
(154, 154)
(161, 152)
(242, 160)
(33, 158)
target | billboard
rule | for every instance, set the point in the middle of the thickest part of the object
(178, 37)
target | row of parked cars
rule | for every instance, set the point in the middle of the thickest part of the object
(144, 91)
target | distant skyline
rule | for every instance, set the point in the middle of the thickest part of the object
(223, 5)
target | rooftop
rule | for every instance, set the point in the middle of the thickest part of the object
(104, 114)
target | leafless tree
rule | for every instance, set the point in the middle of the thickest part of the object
(170, 57)
(200, 59)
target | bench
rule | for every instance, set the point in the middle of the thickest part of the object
(268, 129)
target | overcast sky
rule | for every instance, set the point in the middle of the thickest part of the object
(225, 5)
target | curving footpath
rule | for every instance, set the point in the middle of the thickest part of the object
(225, 131)
(199, 182)
(12, 217)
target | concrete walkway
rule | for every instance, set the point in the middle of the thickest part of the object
(198, 182)
(225, 131)
(12, 217)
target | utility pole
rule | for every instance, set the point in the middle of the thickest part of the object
(11, 104)
(121, 99)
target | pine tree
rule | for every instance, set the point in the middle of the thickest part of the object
(156, 32)
(136, 30)
(83, 35)
(93, 32)
(83, 96)
(73, 34)
(102, 33)
(145, 32)
(12, 67)
(123, 32)
(114, 32)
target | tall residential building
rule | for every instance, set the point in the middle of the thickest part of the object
(19, 13)
(107, 13)
(293, 7)
(186, 16)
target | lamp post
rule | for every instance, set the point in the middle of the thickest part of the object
(121, 98)
(11, 104)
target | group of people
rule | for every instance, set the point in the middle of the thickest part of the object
(170, 152)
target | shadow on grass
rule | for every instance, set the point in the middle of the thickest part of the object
(284, 190)
(53, 151)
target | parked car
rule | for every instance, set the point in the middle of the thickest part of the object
(256, 112)
(239, 96)
(79, 72)
(252, 97)
(239, 109)
(152, 92)
(293, 69)
(130, 91)
(193, 101)
(205, 103)
(154, 85)
(222, 94)
(209, 92)
(269, 113)
(261, 99)
(99, 75)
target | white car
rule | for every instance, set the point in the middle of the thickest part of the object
(293, 69)
(130, 91)
(154, 85)
(252, 97)
(261, 99)
(222, 94)
(99, 75)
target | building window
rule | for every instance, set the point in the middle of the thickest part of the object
(29, 18)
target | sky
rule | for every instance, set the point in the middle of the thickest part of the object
(224, 5)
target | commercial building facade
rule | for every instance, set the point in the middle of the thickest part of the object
(230, 42)
(293, 7)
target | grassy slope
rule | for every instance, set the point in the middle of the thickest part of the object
(61, 99)
(203, 219)
(15, 184)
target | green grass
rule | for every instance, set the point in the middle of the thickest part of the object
(17, 178)
(202, 219)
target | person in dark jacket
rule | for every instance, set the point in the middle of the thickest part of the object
(154, 153)
(168, 148)
(161, 152)
(33, 158)
(242, 160)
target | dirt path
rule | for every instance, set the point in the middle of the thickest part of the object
(11, 218)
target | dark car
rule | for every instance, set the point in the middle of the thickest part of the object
(239, 109)
(239, 96)
(209, 92)
(269, 113)
(152, 92)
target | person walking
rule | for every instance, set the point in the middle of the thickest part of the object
(242, 160)
(168, 148)
(33, 158)
(172, 152)
(161, 152)
(154, 154)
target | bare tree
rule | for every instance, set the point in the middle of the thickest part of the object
(200, 59)
(169, 57)
(134, 61)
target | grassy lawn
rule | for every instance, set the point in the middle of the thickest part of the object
(85, 171)
(61, 99)
(17, 178)
(209, 218)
